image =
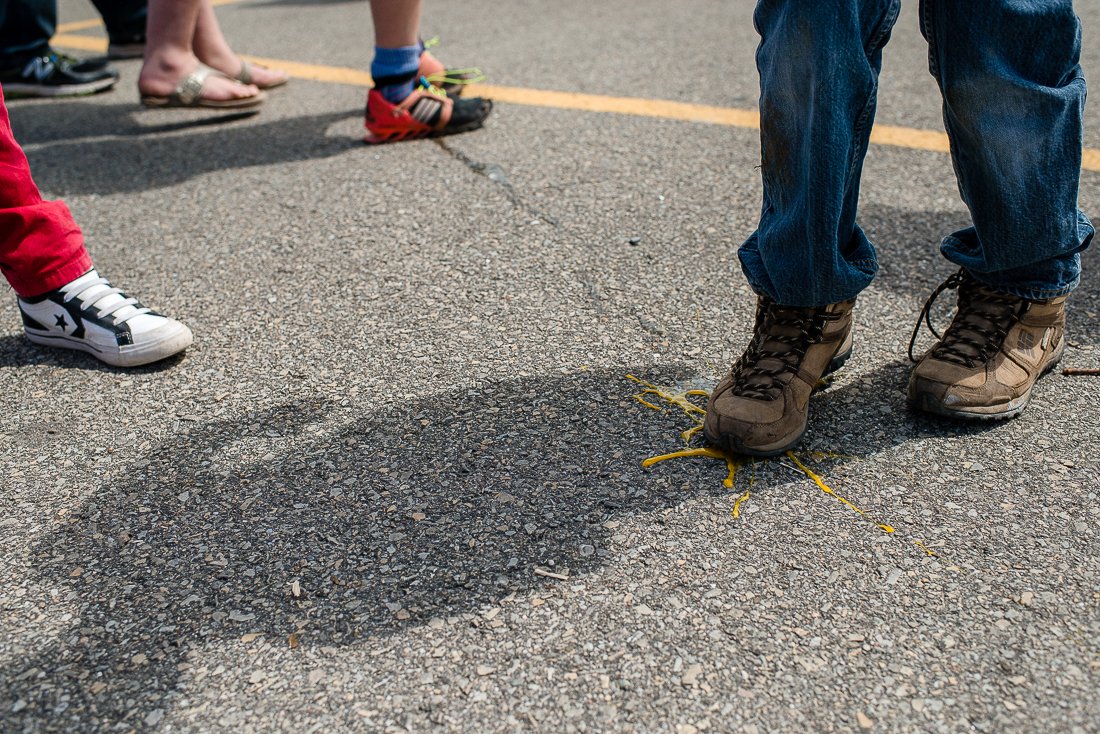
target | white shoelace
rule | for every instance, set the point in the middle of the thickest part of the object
(97, 293)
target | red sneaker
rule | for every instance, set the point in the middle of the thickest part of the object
(427, 112)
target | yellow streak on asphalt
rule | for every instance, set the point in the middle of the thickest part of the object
(891, 135)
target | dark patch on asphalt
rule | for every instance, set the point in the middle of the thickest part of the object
(283, 522)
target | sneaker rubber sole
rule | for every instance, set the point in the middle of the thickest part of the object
(395, 136)
(388, 124)
(20, 90)
(171, 343)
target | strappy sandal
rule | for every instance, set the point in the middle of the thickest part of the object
(244, 76)
(188, 93)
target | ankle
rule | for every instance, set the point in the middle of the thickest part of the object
(395, 89)
(167, 65)
(395, 71)
(223, 60)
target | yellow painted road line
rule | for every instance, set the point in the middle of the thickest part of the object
(1090, 159)
(80, 25)
(666, 109)
(907, 137)
(80, 43)
(891, 135)
(317, 73)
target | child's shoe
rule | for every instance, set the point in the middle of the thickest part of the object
(426, 112)
(91, 315)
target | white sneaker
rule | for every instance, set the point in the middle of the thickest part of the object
(91, 315)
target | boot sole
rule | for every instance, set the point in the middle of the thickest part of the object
(1005, 411)
(732, 445)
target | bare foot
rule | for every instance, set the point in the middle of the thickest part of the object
(262, 76)
(235, 67)
(160, 77)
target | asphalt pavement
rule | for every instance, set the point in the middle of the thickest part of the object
(397, 482)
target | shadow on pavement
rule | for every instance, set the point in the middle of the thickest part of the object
(910, 265)
(17, 351)
(419, 510)
(129, 156)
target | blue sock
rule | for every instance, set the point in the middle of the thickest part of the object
(394, 71)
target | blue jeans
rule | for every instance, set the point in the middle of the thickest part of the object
(26, 26)
(1013, 101)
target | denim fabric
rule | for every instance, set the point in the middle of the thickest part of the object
(124, 19)
(1013, 100)
(25, 30)
(26, 26)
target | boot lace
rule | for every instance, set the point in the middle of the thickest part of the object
(979, 328)
(781, 336)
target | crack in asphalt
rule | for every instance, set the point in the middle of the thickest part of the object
(587, 278)
(496, 174)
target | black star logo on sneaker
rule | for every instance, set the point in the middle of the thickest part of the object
(61, 321)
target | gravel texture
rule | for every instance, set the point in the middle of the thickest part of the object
(396, 484)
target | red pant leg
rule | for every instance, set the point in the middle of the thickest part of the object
(41, 248)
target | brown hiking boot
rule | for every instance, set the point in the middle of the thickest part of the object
(988, 360)
(761, 407)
